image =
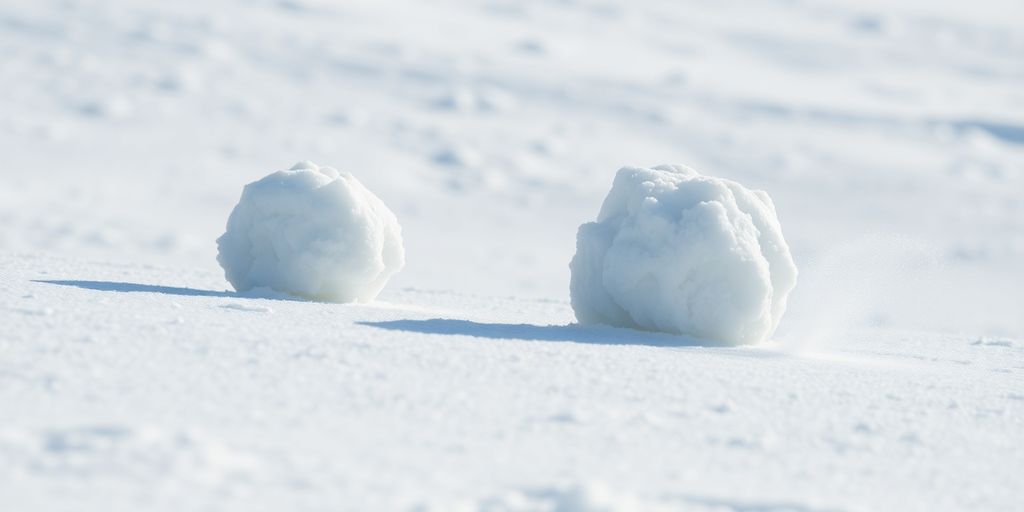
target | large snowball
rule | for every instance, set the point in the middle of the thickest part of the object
(677, 252)
(313, 232)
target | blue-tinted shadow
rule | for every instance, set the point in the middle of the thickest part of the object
(113, 286)
(600, 335)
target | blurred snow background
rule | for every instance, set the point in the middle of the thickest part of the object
(493, 129)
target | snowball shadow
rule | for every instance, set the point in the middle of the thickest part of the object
(598, 335)
(115, 286)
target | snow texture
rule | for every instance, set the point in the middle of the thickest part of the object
(313, 232)
(131, 380)
(134, 388)
(678, 252)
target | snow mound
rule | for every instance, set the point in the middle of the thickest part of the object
(313, 232)
(678, 252)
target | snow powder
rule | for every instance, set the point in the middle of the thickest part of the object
(678, 252)
(313, 232)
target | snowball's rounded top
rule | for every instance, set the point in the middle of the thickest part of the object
(678, 252)
(313, 232)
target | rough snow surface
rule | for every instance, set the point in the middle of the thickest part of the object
(678, 252)
(890, 136)
(127, 387)
(313, 232)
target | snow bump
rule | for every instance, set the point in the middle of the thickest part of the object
(313, 232)
(678, 252)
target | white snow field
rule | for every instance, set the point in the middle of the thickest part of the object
(890, 136)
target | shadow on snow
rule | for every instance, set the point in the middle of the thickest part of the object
(114, 286)
(601, 335)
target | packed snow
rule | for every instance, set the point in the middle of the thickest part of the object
(312, 232)
(890, 136)
(678, 252)
(132, 387)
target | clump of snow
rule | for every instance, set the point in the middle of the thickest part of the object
(313, 232)
(678, 252)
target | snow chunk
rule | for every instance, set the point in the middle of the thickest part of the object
(678, 252)
(313, 232)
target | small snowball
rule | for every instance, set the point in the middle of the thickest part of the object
(678, 252)
(313, 232)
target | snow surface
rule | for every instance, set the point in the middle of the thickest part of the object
(312, 232)
(138, 388)
(678, 252)
(890, 136)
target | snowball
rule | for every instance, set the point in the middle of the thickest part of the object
(313, 232)
(677, 252)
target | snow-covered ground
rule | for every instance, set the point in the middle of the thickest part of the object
(131, 388)
(889, 134)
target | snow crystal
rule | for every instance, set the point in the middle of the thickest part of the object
(678, 252)
(314, 232)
